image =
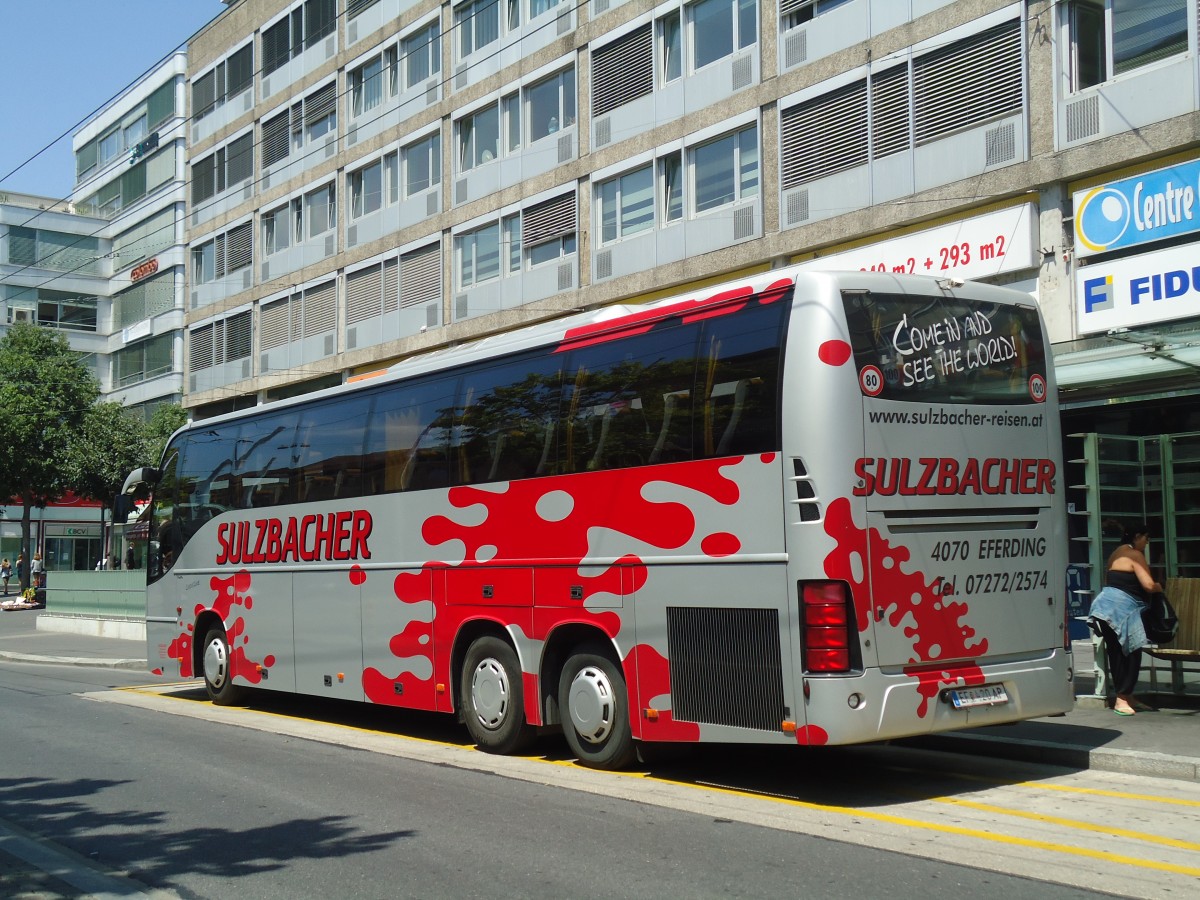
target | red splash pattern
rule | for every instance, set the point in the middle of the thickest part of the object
(812, 736)
(935, 622)
(229, 592)
(530, 542)
(833, 353)
(648, 676)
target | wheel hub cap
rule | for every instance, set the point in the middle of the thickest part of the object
(216, 663)
(592, 707)
(490, 694)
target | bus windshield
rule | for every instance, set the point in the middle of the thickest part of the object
(944, 349)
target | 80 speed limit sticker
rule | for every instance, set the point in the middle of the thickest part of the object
(870, 379)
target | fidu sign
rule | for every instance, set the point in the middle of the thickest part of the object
(1137, 290)
(1159, 204)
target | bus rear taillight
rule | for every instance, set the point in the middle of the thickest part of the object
(827, 624)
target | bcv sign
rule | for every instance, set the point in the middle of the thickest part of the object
(1160, 204)
(1138, 290)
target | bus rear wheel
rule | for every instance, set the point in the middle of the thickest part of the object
(493, 697)
(595, 710)
(218, 674)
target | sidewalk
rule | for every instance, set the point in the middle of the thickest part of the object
(1165, 743)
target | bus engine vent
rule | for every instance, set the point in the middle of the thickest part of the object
(726, 667)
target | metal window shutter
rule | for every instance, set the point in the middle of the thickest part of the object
(363, 294)
(275, 143)
(277, 45)
(320, 309)
(824, 135)
(161, 105)
(240, 160)
(219, 255)
(548, 220)
(204, 179)
(273, 322)
(239, 244)
(240, 71)
(237, 336)
(320, 103)
(786, 7)
(204, 94)
(391, 284)
(421, 276)
(200, 348)
(623, 71)
(969, 82)
(889, 112)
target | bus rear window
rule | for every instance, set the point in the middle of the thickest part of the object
(941, 349)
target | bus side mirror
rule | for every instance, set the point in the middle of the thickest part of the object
(138, 477)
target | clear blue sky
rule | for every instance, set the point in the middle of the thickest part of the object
(61, 60)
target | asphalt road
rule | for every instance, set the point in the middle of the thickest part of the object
(294, 799)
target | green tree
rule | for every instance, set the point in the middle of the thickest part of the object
(110, 444)
(164, 422)
(45, 392)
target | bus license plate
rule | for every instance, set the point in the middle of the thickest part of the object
(987, 695)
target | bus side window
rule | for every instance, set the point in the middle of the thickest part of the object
(739, 382)
(264, 466)
(328, 457)
(407, 444)
(629, 402)
(504, 426)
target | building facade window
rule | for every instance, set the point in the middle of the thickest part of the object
(718, 27)
(422, 164)
(478, 254)
(222, 255)
(226, 168)
(478, 24)
(726, 170)
(1108, 38)
(144, 360)
(366, 190)
(422, 54)
(550, 104)
(300, 29)
(796, 12)
(228, 79)
(479, 137)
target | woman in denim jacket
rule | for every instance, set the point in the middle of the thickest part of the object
(1116, 614)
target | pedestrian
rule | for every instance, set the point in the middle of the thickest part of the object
(38, 571)
(1116, 614)
(6, 573)
(130, 559)
(20, 569)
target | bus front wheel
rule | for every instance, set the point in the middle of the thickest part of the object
(218, 675)
(595, 710)
(493, 697)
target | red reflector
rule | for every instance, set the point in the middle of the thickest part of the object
(827, 638)
(828, 660)
(832, 592)
(826, 615)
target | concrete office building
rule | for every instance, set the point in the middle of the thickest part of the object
(129, 170)
(371, 178)
(54, 271)
(106, 267)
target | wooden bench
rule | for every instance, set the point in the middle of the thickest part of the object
(1183, 652)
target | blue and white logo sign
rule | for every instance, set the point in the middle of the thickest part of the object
(1138, 290)
(1150, 207)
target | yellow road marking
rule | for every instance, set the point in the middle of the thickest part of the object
(1071, 823)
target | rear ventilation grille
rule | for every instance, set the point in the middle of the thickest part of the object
(726, 667)
(806, 493)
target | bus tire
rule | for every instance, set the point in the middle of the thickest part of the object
(594, 704)
(493, 697)
(218, 675)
